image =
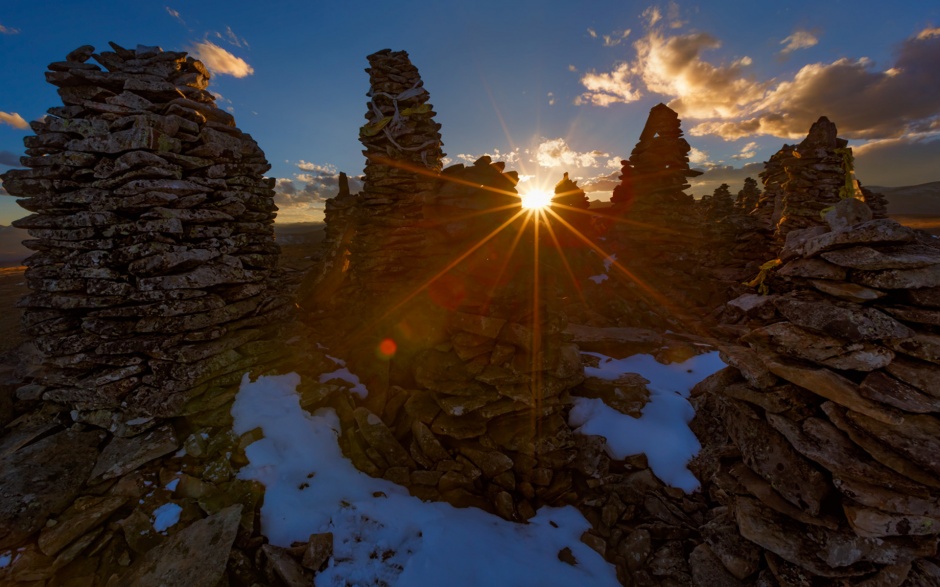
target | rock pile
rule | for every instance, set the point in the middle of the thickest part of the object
(832, 411)
(809, 178)
(748, 196)
(403, 157)
(152, 281)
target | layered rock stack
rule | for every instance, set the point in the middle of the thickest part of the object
(480, 370)
(816, 178)
(748, 196)
(833, 411)
(403, 157)
(153, 277)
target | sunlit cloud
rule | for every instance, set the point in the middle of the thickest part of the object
(551, 98)
(673, 66)
(220, 61)
(510, 157)
(798, 40)
(592, 33)
(14, 120)
(928, 33)
(748, 151)
(175, 14)
(600, 186)
(604, 89)
(5, 30)
(716, 175)
(326, 168)
(557, 153)
(698, 156)
(572, 68)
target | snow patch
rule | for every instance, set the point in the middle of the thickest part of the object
(662, 431)
(381, 534)
(165, 516)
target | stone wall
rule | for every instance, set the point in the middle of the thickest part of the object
(154, 281)
(831, 410)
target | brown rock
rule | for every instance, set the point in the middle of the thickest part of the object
(922, 345)
(767, 453)
(788, 339)
(286, 567)
(41, 480)
(851, 292)
(762, 490)
(749, 364)
(379, 437)
(911, 256)
(918, 438)
(873, 523)
(812, 268)
(881, 387)
(172, 564)
(923, 376)
(889, 500)
(123, 455)
(872, 232)
(855, 324)
(84, 514)
(899, 278)
(832, 386)
(319, 550)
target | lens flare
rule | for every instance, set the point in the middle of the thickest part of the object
(536, 199)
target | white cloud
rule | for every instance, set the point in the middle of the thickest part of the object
(747, 151)
(557, 153)
(322, 169)
(220, 61)
(232, 38)
(551, 98)
(798, 40)
(510, 157)
(698, 156)
(5, 30)
(572, 68)
(175, 14)
(928, 33)
(14, 120)
(604, 89)
(592, 33)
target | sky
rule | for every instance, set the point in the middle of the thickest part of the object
(547, 86)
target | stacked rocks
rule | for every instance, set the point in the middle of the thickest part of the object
(153, 230)
(833, 409)
(816, 174)
(480, 372)
(403, 156)
(748, 196)
(774, 175)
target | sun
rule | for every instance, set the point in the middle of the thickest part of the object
(536, 199)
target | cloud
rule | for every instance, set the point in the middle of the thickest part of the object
(572, 68)
(551, 98)
(231, 38)
(698, 157)
(14, 120)
(611, 40)
(798, 40)
(673, 66)
(928, 33)
(5, 30)
(306, 203)
(511, 157)
(9, 159)
(220, 61)
(557, 153)
(600, 185)
(327, 168)
(898, 161)
(592, 33)
(175, 14)
(747, 151)
(604, 89)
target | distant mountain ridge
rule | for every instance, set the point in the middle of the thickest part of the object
(922, 199)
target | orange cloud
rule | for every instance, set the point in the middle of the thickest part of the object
(798, 40)
(220, 61)
(14, 120)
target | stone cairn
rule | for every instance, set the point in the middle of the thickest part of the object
(748, 196)
(152, 282)
(808, 178)
(403, 157)
(832, 473)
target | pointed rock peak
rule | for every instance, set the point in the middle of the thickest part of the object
(823, 133)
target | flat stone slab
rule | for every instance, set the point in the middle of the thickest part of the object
(196, 557)
(852, 323)
(900, 278)
(882, 230)
(41, 480)
(911, 256)
(789, 339)
(123, 455)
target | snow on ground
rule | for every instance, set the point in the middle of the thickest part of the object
(344, 374)
(662, 431)
(380, 532)
(602, 277)
(165, 516)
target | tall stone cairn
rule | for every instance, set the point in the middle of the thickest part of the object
(152, 223)
(403, 157)
(833, 410)
(661, 170)
(748, 196)
(816, 173)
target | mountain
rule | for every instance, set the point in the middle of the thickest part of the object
(12, 251)
(919, 200)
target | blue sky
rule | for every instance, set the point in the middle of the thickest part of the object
(547, 86)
